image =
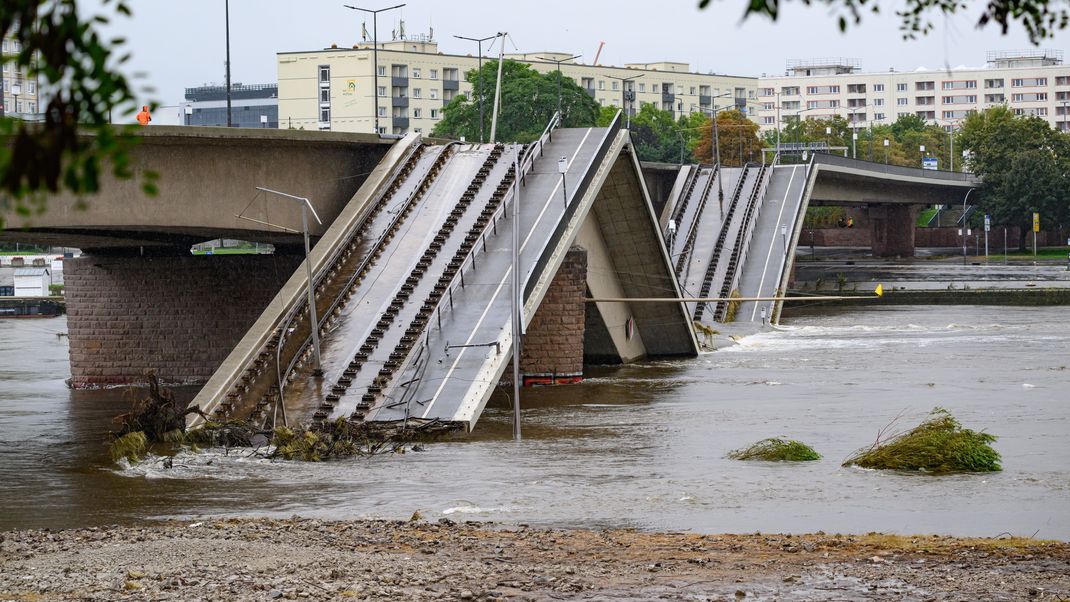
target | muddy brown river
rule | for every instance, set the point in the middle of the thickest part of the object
(638, 446)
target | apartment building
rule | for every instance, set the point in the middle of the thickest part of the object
(19, 95)
(335, 88)
(1029, 82)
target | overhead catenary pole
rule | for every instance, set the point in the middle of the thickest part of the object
(313, 319)
(559, 61)
(623, 96)
(479, 78)
(515, 301)
(498, 90)
(375, 53)
(230, 119)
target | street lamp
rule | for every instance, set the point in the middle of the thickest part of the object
(227, 16)
(263, 121)
(189, 114)
(479, 75)
(375, 53)
(886, 151)
(559, 61)
(623, 95)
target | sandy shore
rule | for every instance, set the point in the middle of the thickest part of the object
(261, 559)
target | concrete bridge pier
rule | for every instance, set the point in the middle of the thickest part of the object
(178, 315)
(892, 227)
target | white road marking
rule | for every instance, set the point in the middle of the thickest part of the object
(505, 278)
(772, 241)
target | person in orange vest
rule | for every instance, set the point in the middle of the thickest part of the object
(143, 117)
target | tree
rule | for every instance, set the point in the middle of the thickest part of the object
(78, 71)
(1040, 18)
(529, 99)
(738, 140)
(1024, 165)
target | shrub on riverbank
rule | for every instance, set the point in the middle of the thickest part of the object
(939, 445)
(776, 450)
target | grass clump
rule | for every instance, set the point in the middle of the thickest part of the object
(939, 445)
(775, 449)
(733, 307)
(130, 446)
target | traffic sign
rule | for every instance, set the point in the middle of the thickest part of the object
(988, 223)
(1036, 222)
(930, 163)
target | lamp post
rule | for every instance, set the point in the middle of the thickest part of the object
(717, 145)
(375, 52)
(263, 121)
(313, 320)
(886, 151)
(828, 135)
(623, 95)
(559, 61)
(479, 75)
(189, 114)
(964, 224)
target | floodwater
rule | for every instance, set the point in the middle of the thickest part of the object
(638, 446)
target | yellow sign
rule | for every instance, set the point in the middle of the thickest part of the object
(1036, 222)
(350, 87)
(879, 290)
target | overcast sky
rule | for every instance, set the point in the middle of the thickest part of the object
(181, 44)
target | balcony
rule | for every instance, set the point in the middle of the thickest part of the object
(705, 100)
(668, 97)
(590, 91)
(451, 84)
(399, 82)
(400, 122)
(741, 103)
(399, 101)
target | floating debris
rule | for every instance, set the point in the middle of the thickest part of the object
(939, 445)
(775, 449)
(131, 446)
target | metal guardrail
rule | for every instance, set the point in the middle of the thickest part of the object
(897, 170)
(562, 225)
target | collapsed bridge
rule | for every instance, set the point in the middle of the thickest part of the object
(413, 278)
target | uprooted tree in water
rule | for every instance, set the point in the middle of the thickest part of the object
(939, 445)
(776, 449)
(159, 418)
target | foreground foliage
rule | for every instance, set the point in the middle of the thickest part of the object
(939, 445)
(775, 449)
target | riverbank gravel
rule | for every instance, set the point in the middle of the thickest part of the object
(304, 559)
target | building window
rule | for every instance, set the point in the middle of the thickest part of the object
(601, 84)
(766, 92)
(433, 73)
(382, 111)
(901, 87)
(789, 91)
(959, 85)
(902, 102)
(434, 113)
(417, 113)
(768, 120)
(325, 74)
(616, 85)
(31, 88)
(878, 117)
(382, 71)
(1062, 80)
(415, 73)
(822, 89)
(642, 87)
(856, 88)
(692, 90)
(878, 87)
(416, 92)
(325, 115)
(1029, 82)
(878, 102)
(434, 94)
(418, 130)
(1030, 97)
(382, 91)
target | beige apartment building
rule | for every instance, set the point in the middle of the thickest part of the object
(335, 88)
(19, 95)
(1029, 82)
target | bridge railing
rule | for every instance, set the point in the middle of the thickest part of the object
(898, 170)
(570, 210)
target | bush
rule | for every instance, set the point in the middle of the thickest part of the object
(777, 450)
(939, 446)
(56, 290)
